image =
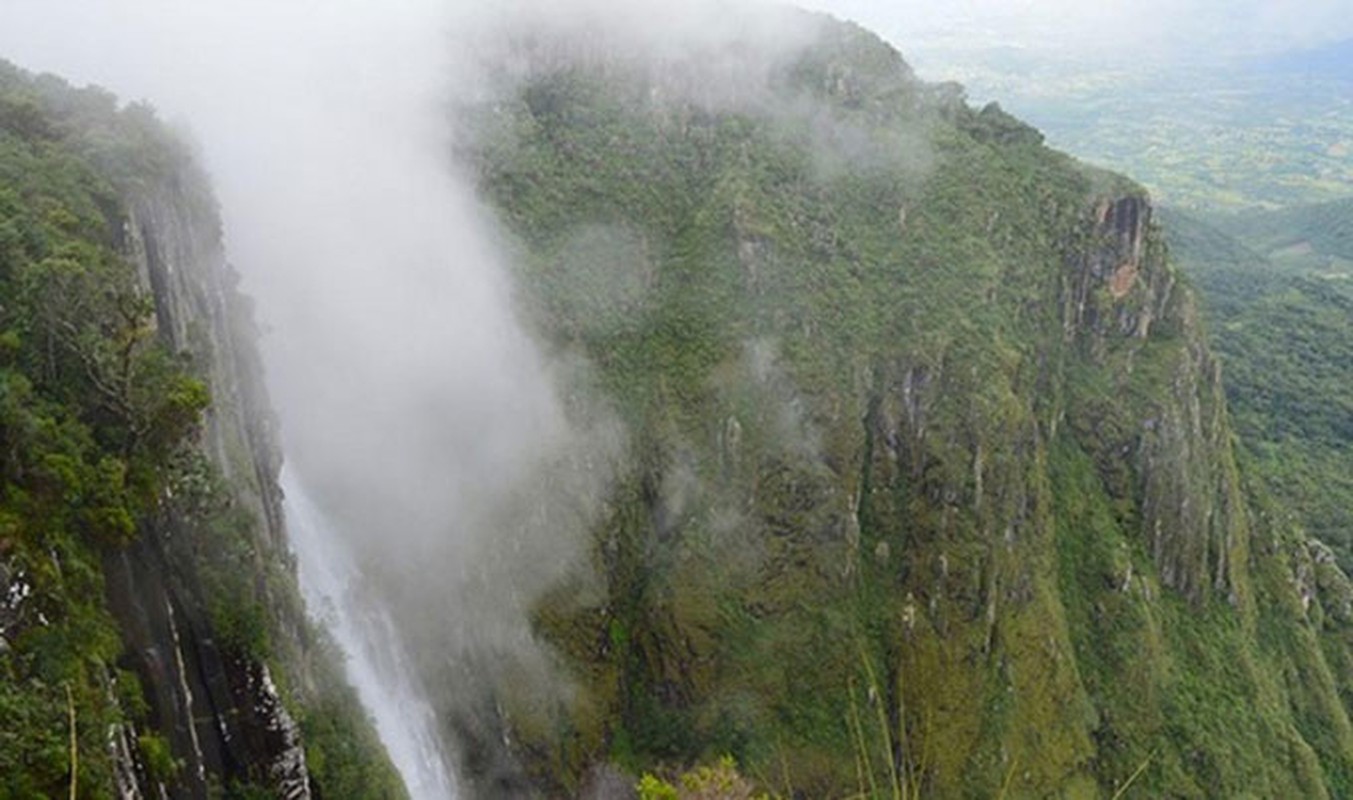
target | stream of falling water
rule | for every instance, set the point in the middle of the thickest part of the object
(376, 664)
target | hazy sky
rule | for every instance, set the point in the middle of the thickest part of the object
(932, 33)
(1115, 30)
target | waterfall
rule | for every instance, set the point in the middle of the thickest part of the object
(376, 663)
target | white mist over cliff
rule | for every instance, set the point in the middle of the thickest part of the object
(409, 396)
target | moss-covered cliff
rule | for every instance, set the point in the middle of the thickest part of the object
(929, 484)
(151, 638)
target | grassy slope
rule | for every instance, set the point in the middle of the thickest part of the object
(889, 518)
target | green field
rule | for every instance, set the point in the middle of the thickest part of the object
(1211, 138)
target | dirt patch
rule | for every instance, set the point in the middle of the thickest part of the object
(1124, 278)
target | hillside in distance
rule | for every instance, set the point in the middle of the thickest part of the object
(927, 482)
(1315, 238)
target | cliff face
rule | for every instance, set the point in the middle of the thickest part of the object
(930, 485)
(219, 707)
(152, 639)
(1171, 445)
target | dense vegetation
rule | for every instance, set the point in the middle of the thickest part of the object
(102, 418)
(929, 484)
(91, 408)
(1278, 287)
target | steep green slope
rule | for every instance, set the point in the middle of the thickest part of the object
(929, 483)
(146, 605)
(1283, 322)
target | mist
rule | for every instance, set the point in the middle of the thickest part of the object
(460, 466)
(413, 406)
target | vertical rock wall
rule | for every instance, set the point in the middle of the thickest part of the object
(219, 708)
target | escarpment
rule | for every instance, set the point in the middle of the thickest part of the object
(930, 482)
(209, 690)
(1167, 446)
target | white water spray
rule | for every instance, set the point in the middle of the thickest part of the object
(376, 663)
